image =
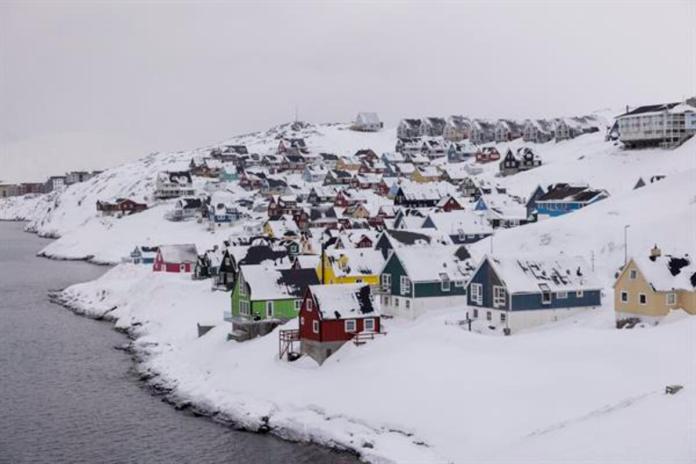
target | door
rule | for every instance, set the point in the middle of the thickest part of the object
(269, 309)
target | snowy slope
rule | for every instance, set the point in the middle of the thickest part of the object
(428, 391)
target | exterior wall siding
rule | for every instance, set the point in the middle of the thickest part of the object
(533, 301)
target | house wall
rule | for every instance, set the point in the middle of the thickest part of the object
(533, 301)
(518, 320)
(656, 306)
(411, 308)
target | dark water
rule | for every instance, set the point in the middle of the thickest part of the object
(67, 396)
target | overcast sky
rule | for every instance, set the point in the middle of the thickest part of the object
(109, 81)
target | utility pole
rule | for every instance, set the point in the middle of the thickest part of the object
(626, 243)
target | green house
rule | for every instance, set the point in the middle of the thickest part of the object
(416, 279)
(263, 292)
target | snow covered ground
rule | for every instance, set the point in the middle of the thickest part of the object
(428, 391)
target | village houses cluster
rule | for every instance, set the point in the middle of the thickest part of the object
(53, 183)
(346, 241)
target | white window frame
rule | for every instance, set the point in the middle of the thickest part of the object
(405, 285)
(445, 285)
(624, 296)
(386, 281)
(270, 309)
(477, 293)
(298, 305)
(350, 325)
(369, 322)
(309, 305)
(671, 298)
(499, 296)
(562, 295)
(459, 283)
(580, 294)
(407, 303)
(641, 296)
(315, 326)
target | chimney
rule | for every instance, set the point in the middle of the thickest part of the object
(655, 253)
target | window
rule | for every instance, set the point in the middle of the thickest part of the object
(444, 283)
(503, 317)
(408, 303)
(642, 298)
(545, 294)
(475, 313)
(477, 293)
(562, 295)
(369, 325)
(579, 294)
(671, 299)
(298, 304)
(349, 325)
(301, 320)
(633, 274)
(269, 309)
(182, 267)
(396, 302)
(624, 297)
(386, 281)
(498, 296)
(405, 285)
(315, 327)
(459, 283)
(309, 305)
(489, 316)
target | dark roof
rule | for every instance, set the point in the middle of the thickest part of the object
(321, 213)
(566, 192)
(176, 176)
(650, 109)
(328, 156)
(191, 203)
(239, 149)
(297, 280)
(259, 253)
(407, 237)
(295, 158)
(343, 174)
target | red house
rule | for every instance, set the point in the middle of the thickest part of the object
(122, 206)
(332, 315)
(175, 258)
(449, 203)
(487, 154)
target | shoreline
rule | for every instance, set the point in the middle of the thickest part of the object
(155, 385)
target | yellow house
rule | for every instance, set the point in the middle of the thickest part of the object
(649, 288)
(425, 174)
(351, 266)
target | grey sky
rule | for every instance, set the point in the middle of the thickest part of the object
(166, 75)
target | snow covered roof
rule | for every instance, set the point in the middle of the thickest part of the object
(184, 253)
(668, 272)
(355, 261)
(174, 177)
(367, 118)
(571, 193)
(531, 274)
(344, 301)
(459, 222)
(432, 263)
(269, 283)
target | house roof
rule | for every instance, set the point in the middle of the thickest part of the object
(431, 263)
(367, 118)
(460, 222)
(175, 177)
(529, 274)
(650, 109)
(358, 261)
(668, 272)
(184, 253)
(570, 193)
(269, 283)
(344, 301)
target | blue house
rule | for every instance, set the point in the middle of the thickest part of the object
(561, 199)
(517, 292)
(531, 202)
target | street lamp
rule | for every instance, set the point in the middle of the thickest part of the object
(626, 243)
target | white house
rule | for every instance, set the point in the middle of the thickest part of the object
(367, 122)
